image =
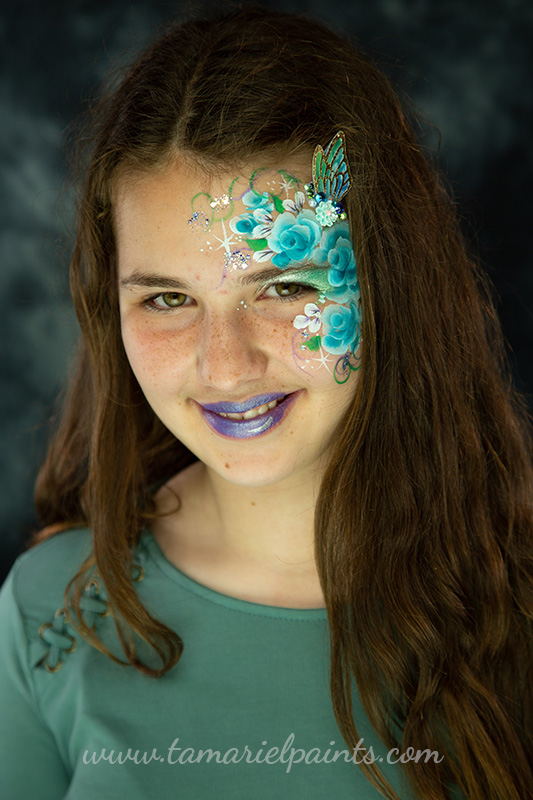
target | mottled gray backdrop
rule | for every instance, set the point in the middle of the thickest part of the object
(466, 64)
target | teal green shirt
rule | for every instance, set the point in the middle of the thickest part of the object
(246, 713)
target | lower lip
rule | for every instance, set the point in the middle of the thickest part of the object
(249, 428)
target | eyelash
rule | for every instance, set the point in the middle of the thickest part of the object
(147, 303)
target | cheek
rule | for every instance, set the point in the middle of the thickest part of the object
(155, 354)
(161, 355)
(325, 341)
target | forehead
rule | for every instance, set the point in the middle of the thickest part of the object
(179, 208)
(189, 188)
(179, 190)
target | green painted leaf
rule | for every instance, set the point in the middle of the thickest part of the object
(314, 343)
(278, 204)
(257, 244)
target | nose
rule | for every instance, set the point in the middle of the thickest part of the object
(229, 353)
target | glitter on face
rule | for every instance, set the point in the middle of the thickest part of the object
(271, 227)
(220, 203)
(198, 222)
(236, 260)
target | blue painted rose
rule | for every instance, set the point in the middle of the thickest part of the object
(328, 242)
(340, 328)
(293, 239)
(344, 294)
(243, 224)
(342, 263)
(255, 200)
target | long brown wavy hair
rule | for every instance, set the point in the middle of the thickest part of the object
(424, 522)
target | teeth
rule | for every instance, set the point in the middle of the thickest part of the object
(254, 412)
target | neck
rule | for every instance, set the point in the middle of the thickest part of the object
(271, 526)
(253, 543)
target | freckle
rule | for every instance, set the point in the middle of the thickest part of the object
(252, 503)
(227, 466)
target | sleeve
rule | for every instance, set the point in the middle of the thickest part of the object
(31, 765)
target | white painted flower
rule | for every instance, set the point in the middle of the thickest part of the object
(265, 223)
(262, 231)
(311, 317)
(296, 205)
(263, 255)
(262, 215)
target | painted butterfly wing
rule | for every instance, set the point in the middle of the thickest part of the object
(319, 169)
(331, 173)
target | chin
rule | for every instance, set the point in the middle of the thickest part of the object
(242, 475)
(270, 467)
(254, 462)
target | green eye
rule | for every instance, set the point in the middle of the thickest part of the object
(287, 289)
(173, 299)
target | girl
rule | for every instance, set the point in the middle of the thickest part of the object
(287, 546)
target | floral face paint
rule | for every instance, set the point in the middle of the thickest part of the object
(193, 344)
(294, 237)
(280, 224)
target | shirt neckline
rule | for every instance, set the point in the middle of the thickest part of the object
(257, 609)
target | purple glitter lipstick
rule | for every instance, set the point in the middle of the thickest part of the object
(215, 414)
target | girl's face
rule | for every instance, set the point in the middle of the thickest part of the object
(240, 315)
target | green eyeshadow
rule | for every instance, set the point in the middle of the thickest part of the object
(317, 277)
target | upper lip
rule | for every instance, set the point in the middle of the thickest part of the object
(225, 407)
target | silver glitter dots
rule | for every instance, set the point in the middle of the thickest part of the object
(236, 260)
(198, 222)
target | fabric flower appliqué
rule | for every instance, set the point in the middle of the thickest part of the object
(311, 318)
(326, 213)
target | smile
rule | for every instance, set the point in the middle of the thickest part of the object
(253, 417)
(254, 412)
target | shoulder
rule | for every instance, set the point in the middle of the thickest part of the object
(39, 576)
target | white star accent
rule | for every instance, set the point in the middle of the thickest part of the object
(287, 185)
(322, 360)
(227, 240)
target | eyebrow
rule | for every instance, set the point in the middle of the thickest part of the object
(152, 280)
